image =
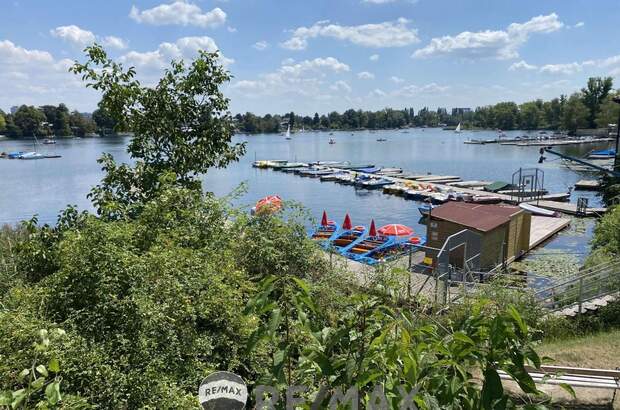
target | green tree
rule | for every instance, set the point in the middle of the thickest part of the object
(181, 126)
(530, 116)
(575, 114)
(29, 120)
(62, 123)
(609, 112)
(316, 121)
(103, 120)
(2, 121)
(594, 94)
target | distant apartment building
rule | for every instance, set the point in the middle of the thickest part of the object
(442, 111)
(460, 111)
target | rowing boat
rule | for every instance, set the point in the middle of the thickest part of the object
(346, 238)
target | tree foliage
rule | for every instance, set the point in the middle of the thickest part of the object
(181, 126)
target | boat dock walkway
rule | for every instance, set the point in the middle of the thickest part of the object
(544, 227)
(567, 208)
(551, 143)
(588, 185)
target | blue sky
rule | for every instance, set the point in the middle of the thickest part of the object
(323, 55)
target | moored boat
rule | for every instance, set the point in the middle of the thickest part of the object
(326, 231)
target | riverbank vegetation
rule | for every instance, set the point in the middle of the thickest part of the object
(130, 307)
(133, 305)
(592, 107)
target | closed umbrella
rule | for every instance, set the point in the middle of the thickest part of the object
(373, 230)
(324, 221)
(395, 230)
(347, 222)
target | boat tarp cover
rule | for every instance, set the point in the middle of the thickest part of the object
(497, 186)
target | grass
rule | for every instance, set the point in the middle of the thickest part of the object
(600, 350)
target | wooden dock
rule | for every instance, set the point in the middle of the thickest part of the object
(544, 227)
(567, 208)
(588, 185)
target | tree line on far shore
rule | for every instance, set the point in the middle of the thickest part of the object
(592, 107)
(47, 120)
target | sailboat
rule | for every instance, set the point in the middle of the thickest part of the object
(458, 128)
(288, 132)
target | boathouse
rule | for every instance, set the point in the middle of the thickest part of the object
(504, 231)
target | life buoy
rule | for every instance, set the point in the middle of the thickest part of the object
(414, 240)
(359, 228)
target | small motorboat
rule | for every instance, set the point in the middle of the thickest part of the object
(425, 210)
(333, 176)
(332, 141)
(368, 170)
(602, 154)
(535, 210)
(49, 141)
(31, 156)
(15, 154)
(390, 171)
(376, 183)
(381, 139)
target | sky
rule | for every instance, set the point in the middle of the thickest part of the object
(321, 55)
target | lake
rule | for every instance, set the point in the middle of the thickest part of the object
(44, 187)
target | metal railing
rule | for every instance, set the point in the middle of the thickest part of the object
(596, 282)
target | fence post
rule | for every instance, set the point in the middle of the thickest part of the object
(580, 294)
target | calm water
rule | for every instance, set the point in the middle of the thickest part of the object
(44, 187)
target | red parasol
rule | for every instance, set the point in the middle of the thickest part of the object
(324, 220)
(273, 202)
(395, 230)
(373, 230)
(347, 222)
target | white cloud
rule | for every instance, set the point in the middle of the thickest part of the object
(580, 24)
(522, 65)
(341, 86)
(500, 44)
(183, 48)
(414, 90)
(608, 65)
(305, 78)
(231, 29)
(81, 37)
(365, 75)
(114, 42)
(180, 13)
(387, 34)
(35, 77)
(396, 80)
(569, 68)
(74, 34)
(261, 45)
(374, 57)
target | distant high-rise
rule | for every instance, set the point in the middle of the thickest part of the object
(442, 111)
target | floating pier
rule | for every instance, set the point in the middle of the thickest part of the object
(588, 185)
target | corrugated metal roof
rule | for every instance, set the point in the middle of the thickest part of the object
(480, 217)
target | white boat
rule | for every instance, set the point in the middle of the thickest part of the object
(458, 128)
(332, 141)
(534, 210)
(288, 132)
(32, 155)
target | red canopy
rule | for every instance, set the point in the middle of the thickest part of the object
(272, 201)
(324, 221)
(373, 230)
(347, 222)
(395, 230)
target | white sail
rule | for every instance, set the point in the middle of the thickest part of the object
(288, 131)
(458, 128)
